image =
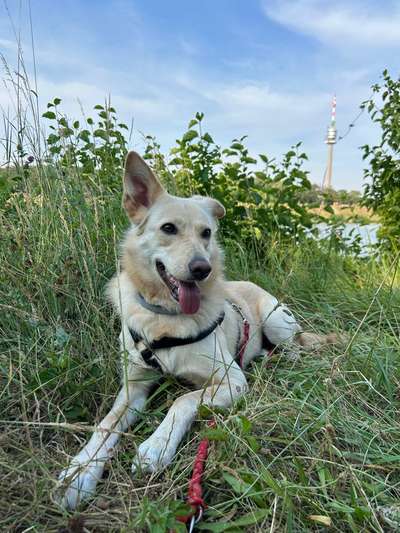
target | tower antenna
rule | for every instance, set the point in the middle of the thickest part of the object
(330, 140)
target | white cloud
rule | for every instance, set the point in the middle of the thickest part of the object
(90, 94)
(340, 23)
(257, 104)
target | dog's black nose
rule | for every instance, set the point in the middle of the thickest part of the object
(199, 268)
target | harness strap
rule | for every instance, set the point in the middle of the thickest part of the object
(242, 345)
(147, 349)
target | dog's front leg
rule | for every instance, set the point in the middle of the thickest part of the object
(79, 480)
(159, 449)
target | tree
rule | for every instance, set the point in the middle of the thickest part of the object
(382, 193)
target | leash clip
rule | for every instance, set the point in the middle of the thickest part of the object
(195, 519)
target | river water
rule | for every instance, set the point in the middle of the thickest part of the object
(366, 232)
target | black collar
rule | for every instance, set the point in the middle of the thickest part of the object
(147, 352)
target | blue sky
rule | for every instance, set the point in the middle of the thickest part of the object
(265, 68)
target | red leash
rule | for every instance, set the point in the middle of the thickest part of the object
(195, 490)
(243, 344)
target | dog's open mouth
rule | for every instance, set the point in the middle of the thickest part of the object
(186, 293)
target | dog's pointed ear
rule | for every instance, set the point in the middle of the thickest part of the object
(141, 188)
(214, 207)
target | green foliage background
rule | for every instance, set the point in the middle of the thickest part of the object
(262, 196)
(382, 193)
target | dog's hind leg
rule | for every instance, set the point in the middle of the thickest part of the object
(281, 329)
(279, 326)
(78, 481)
(278, 323)
(159, 449)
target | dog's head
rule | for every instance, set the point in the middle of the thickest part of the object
(171, 252)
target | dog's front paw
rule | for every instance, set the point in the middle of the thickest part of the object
(76, 484)
(152, 456)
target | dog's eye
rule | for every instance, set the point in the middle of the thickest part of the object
(206, 233)
(169, 229)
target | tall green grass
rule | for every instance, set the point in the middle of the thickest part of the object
(316, 441)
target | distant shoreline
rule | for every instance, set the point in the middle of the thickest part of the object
(357, 213)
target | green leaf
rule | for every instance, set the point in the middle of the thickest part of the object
(49, 114)
(271, 482)
(238, 485)
(84, 135)
(237, 146)
(192, 123)
(63, 122)
(57, 101)
(207, 137)
(52, 139)
(252, 441)
(102, 134)
(215, 434)
(176, 161)
(250, 160)
(189, 136)
(245, 424)
(55, 149)
(228, 152)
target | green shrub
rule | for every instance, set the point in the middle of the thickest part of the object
(94, 149)
(261, 195)
(382, 193)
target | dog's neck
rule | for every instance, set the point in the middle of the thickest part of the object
(123, 291)
(155, 308)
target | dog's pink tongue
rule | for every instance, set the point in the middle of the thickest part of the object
(189, 297)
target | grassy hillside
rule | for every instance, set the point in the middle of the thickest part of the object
(315, 442)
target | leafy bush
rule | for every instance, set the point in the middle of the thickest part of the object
(93, 149)
(261, 195)
(266, 200)
(382, 193)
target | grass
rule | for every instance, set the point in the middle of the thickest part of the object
(315, 442)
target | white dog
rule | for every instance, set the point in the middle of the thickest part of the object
(178, 316)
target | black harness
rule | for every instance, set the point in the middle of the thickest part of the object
(147, 350)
